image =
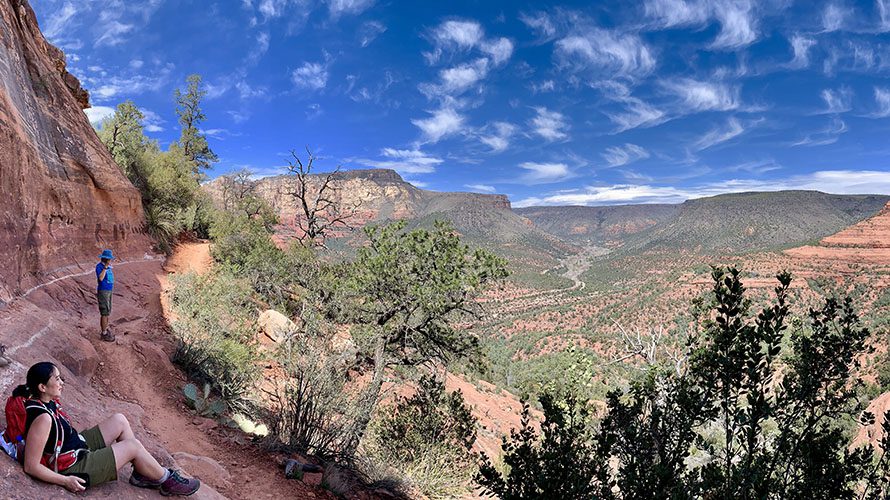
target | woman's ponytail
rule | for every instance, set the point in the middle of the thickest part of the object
(21, 391)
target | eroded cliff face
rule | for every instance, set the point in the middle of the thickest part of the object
(62, 198)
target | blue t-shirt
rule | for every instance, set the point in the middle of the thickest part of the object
(108, 282)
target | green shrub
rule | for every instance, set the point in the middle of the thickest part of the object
(215, 331)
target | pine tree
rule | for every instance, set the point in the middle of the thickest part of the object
(192, 140)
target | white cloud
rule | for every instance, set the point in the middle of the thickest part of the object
(737, 18)
(837, 101)
(260, 48)
(704, 96)
(833, 17)
(463, 34)
(828, 135)
(459, 78)
(545, 86)
(882, 98)
(443, 123)
(884, 13)
(136, 63)
(636, 113)
(107, 88)
(551, 125)
(409, 161)
(801, 46)
(482, 188)
(369, 32)
(622, 155)
(466, 35)
(98, 113)
(543, 173)
(311, 76)
(500, 50)
(151, 121)
(720, 135)
(606, 51)
(57, 24)
(113, 34)
(829, 181)
(499, 137)
(540, 23)
(338, 8)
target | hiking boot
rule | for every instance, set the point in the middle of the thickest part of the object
(107, 336)
(140, 481)
(177, 485)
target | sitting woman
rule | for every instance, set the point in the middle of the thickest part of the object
(56, 453)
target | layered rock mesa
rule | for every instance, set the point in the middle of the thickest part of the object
(63, 197)
(867, 241)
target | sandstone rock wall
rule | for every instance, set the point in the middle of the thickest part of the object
(62, 198)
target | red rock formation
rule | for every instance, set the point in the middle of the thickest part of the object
(63, 197)
(865, 242)
(870, 233)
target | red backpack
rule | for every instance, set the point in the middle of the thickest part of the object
(15, 419)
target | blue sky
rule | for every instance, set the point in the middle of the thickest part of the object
(550, 103)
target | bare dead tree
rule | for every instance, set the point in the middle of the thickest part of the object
(649, 346)
(236, 187)
(320, 210)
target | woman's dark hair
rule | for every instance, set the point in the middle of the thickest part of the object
(39, 373)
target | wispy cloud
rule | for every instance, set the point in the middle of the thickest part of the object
(113, 34)
(458, 79)
(550, 125)
(720, 135)
(882, 99)
(801, 46)
(464, 35)
(606, 52)
(544, 173)
(704, 96)
(369, 31)
(884, 14)
(828, 135)
(622, 155)
(444, 122)
(338, 8)
(58, 23)
(540, 23)
(837, 101)
(829, 181)
(406, 161)
(310, 76)
(834, 17)
(737, 18)
(481, 188)
(497, 136)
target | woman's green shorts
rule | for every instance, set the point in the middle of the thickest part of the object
(98, 462)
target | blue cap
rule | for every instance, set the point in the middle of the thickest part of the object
(106, 254)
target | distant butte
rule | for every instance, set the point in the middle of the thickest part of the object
(865, 242)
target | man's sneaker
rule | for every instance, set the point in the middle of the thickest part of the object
(178, 485)
(140, 481)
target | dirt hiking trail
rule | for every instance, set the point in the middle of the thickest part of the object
(134, 376)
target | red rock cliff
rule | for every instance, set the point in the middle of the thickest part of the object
(62, 198)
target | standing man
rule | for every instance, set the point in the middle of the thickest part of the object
(105, 279)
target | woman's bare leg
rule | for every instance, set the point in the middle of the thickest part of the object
(131, 450)
(116, 428)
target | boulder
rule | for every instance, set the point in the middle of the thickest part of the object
(206, 469)
(275, 325)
